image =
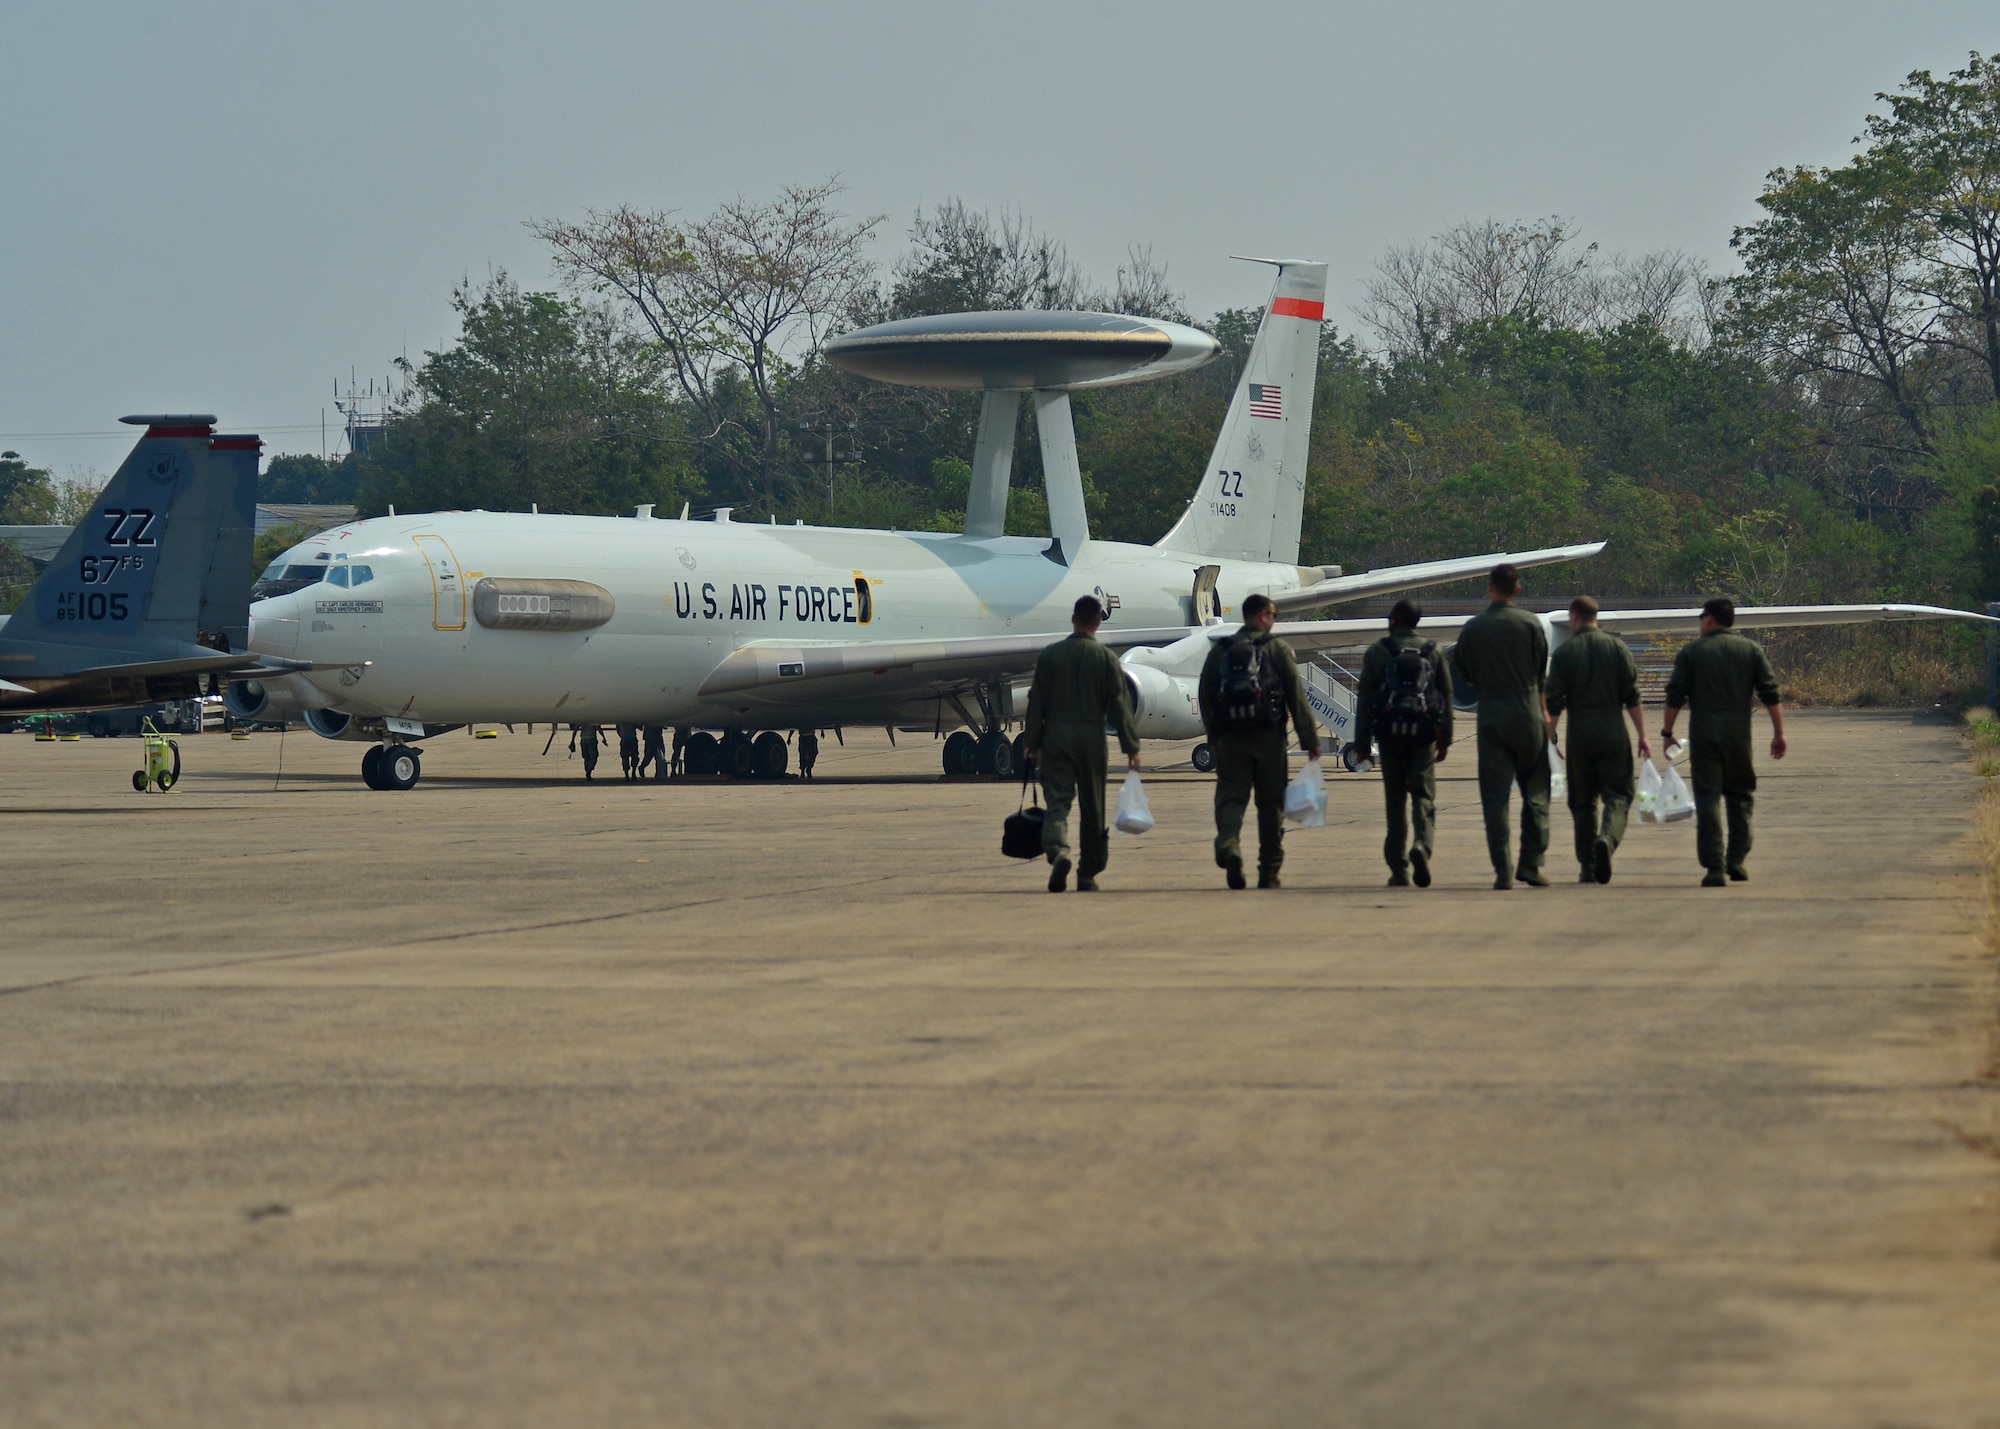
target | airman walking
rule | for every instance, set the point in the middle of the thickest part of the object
(1078, 690)
(1718, 674)
(1593, 677)
(1250, 688)
(1403, 709)
(1503, 653)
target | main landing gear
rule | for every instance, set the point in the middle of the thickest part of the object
(993, 754)
(737, 754)
(391, 766)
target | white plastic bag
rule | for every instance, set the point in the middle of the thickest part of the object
(1558, 777)
(1305, 797)
(1676, 802)
(1647, 805)
(1135, 815)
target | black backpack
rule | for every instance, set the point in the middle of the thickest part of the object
(1249, 692)
(1408, 703)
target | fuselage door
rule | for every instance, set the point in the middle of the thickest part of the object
(447, 586)
(1207, 604)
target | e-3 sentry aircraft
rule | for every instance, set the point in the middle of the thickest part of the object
(149, 599)
(416, 624)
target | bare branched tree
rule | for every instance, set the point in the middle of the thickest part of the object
(964, 260)
(1143, 290)
(745, 294)
(1488, 269)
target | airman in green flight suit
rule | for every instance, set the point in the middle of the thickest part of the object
(1078, 690)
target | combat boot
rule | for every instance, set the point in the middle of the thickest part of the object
(1398, 878)
(1232, 868)
(1059, 874)
(1600, 860)
(1532, 877)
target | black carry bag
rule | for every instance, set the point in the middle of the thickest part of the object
(1021, 835)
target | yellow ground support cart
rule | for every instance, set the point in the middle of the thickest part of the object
(163, 761)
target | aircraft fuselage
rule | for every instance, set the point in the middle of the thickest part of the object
(684, 595)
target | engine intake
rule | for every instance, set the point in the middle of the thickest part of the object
(1165, 706)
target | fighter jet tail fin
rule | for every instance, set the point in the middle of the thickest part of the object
(163, 558)
(1252, 497)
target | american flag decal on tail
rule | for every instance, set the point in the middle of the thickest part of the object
(1266, 400)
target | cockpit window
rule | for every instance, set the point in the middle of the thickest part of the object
(280, 578)
(362, 575)
(337, 576)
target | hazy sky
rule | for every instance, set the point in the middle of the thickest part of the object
(222, 207)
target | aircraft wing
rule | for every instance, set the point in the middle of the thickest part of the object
(240, 666)
(1394, 578)
(768, 668)
(1330, 634)
(1687, 622)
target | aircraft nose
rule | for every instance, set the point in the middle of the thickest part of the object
(274, 626)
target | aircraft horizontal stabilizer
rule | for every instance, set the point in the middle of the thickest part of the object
(1396, 578)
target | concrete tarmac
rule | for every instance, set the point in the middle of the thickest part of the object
(511, 1100)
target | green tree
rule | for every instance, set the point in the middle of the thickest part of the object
(541, 401)
(28, 494)
(306, 480)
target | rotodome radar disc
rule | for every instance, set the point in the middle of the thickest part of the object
(1018, 351)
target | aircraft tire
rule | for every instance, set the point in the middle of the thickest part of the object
(702, 754)
(772, 754)
(996, 756)
(1204, 757)
(1021, 752)
(739, 755)
(961, 753)
(100, 727)
(401, 767)
(371, 767)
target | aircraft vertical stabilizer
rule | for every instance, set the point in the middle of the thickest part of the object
(1252, 497)
(162, 562)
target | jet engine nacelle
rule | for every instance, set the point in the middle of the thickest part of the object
(1165, 706)
(275, 698)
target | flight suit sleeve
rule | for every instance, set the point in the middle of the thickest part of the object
(1295, 696)
(1541, 648)
(1766, 678)
(1364, 697)
(1677, 683)
(1556, 691)
(1205, 693)
(1118, 707)
(1628, 677)
(1038, 704)
(1441, 677)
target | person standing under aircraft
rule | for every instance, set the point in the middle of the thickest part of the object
(628, 751)
(1503, 653)
(1249, 686)
(808, 752)
(1404, 705)
(1718, 673)
(590, 738)
(1079, 688)
(1593, 677)
(655, 754)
